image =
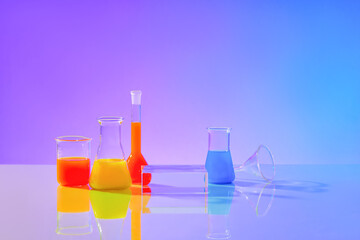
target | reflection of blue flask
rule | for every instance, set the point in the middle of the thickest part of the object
(219, 163)
(220, 198)
(219, 204)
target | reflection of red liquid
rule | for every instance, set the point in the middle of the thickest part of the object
(73, 171)
(73, 199)
(136, 159)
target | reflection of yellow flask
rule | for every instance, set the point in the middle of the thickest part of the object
(110, 204)
(136, 205)
(110, 208)
(73, 206)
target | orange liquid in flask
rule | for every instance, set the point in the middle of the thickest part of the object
(136, 159)
(73, 171)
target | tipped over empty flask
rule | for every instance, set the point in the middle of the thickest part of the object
(219, 163)
(260, 165)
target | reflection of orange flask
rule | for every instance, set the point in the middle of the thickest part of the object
(136, 159)
(136, 206)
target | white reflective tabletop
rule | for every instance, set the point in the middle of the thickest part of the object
(303, 202)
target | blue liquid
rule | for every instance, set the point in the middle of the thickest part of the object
(220, 167)
(220, 198)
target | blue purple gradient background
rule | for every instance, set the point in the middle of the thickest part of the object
(282, 73)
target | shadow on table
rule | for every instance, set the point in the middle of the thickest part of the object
(249, 187)
(299, 186)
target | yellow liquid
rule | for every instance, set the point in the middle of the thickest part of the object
(110, 204)
(110, 174)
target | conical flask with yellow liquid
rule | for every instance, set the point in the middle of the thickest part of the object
(110, 170)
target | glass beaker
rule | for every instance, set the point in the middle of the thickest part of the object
(136, 159)
(219, 163)
(110, 170)
(73, 162)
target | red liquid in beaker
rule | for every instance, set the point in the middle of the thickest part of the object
(73, 171)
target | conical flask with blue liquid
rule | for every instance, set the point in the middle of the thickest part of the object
(219, 163)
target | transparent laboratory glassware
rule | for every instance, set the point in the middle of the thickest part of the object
(73, 211)
(136, 160)
(219, 163)
(261, 164)
(73, 160)
(110, 170)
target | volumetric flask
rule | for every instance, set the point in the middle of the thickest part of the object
(136, 160)
(110, 170)
(73, 162)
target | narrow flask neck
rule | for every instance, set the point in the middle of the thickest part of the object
(110, 133)
(136, 128)
(110, 141)
(219, 140)
(135, 137)
(136, 113)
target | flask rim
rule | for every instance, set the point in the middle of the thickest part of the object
(135, 92)
(219, 129)
(110, 119)
(72, 138)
